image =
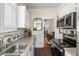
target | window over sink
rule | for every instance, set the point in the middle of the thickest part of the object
(9, 16)
(8, 12)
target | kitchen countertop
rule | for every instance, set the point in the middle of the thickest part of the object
(29, 41)
(70, 51)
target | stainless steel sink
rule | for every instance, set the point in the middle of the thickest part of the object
(22, 46)
(20, 49)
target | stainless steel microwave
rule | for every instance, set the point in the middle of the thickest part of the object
(69, 21)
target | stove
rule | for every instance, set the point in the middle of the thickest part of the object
(58, 48)
(69, 42)
(65, 45)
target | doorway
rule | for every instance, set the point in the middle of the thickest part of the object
(49, 26)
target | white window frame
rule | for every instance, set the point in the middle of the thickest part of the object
(12, 25)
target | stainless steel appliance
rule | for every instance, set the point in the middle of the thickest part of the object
(69, 42)
(68, 21)
(77, 43)
(56, 49)
(60, 22)
(71, 20)
(77, 30)
(72, 34)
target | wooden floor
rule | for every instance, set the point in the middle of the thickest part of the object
(43, 52)
(46, 51)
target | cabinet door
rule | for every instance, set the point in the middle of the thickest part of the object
(32, 51)
(21, 16)
(28, 20)
(77, 49)
(28, 54)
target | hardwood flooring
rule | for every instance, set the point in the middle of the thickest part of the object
(43, 52)
(46, 51)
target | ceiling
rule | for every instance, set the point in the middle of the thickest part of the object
(42, 5)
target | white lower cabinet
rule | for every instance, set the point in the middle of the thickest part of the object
(28, 54)
(31, 51)
(67, 54)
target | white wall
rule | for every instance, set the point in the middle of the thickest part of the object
(66, 8)
(50, 25)
(44, 14)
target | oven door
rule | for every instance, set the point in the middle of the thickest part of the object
(56, 50)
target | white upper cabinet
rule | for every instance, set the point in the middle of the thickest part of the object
(78, 17)
(28, 19)
(23, 17)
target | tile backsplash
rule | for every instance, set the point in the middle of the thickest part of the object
(18, 32)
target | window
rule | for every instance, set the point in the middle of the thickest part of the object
(37, 24)
(9, 16)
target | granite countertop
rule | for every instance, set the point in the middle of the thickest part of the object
(70, 51)
(29, 41)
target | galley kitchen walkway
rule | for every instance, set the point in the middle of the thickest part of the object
(46, 51)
